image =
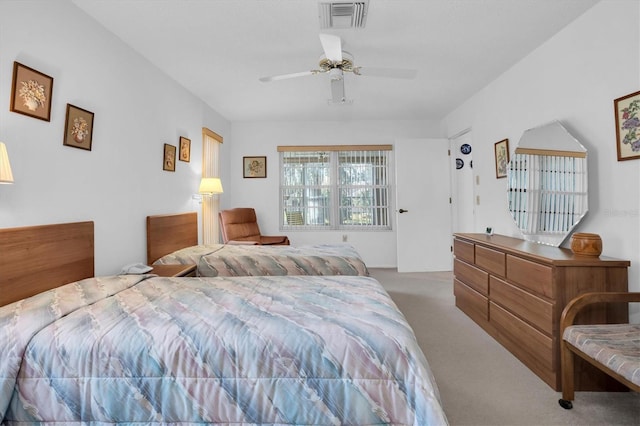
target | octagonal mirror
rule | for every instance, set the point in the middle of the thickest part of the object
(547, 184)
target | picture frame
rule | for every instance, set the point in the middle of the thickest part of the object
(31, 92)
(254, 167)
(501, 152)
(169, 158)
(627, 115)
(185, 149)
(78, 128)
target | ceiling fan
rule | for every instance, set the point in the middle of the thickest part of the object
(336, 62)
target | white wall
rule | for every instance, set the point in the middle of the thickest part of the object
(378, 249)
(137, 109)
(573, 78)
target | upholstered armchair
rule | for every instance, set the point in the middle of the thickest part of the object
(240, 226)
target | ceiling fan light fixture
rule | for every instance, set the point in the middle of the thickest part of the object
(343, 14)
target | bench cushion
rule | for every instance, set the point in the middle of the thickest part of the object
(616, 346)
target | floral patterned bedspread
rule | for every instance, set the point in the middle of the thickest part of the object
(241, 350)
(226, 260)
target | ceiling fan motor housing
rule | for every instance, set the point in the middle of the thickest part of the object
(345, 65)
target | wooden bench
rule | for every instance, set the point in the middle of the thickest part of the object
(612, 348)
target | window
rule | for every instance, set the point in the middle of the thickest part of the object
(335, 187)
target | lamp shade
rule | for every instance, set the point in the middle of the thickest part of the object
(5, 168)
(210, 186)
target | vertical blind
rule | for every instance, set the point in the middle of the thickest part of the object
(547, 192)
(210, 168)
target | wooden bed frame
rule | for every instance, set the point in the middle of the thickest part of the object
(34, 259)
(170, 232)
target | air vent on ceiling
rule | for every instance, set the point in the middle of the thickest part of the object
(343, 14)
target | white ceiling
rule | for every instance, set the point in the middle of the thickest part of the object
(218, 49)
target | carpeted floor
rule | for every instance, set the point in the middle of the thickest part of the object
(480, 382)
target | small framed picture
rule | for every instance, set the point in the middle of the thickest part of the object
(31, 92)
(185, 149)
(501, 150)
(78, 128)
(254, 167)
(627, 112)
(169, 160)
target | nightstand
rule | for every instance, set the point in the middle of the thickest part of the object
(174, 270)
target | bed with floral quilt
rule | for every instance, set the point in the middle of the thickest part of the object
(280, 350)
(246, 260)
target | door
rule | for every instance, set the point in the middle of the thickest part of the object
(423, 212)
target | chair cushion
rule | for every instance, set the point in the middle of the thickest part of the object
(616, 346)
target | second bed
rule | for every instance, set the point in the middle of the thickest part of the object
(172, 239)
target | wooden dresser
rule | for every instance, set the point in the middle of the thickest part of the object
(516, 291)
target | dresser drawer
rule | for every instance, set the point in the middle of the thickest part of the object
(463, 250)
(471, 276)
(491, 260)
(524, 341)
(532, 309)
(531, 275)
(471, 302)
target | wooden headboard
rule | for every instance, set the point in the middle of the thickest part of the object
(34, 259)
(170, 232)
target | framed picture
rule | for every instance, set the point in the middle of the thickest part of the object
(501, 150)
(78, 128)
(31, 92)
(185, 149)
(627, 109)
(254, 167)
(169, 160)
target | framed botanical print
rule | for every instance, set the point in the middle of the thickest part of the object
(254, 167)
(169, 160)
(501, 152)
(627, 113)
(185, 149)
(78, 128)
(31, 92)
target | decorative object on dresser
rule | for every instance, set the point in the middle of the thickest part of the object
(516, 291)
(627, 112)
(78, 128)
(586, 244)
(31, 92)
(169, 159)
(547, 184)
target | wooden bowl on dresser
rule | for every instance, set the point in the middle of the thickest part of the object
(586, 244)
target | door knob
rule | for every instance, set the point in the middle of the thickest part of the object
(402, 211)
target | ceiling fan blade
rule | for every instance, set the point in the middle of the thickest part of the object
(332, 46)
(337, 86)
(293, 75)
(385, 72)
(337, 91)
